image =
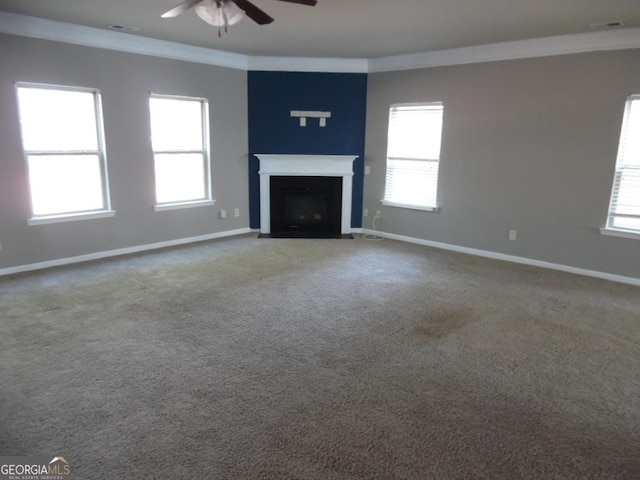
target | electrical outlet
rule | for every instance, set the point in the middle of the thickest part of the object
(513, 234)
(223, 214)
(236, 212)
(365, 212)
(367, 169)
(378, 213)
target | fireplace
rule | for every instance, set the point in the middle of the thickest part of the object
(306, 207)
(306, 195)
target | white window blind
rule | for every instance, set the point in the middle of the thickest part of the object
(624, 208)
(64, 147)
(179, 137)
(413, 155)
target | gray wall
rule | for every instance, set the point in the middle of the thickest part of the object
(125, 81)
(527, 145)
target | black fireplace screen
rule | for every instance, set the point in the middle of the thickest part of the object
(306, 206)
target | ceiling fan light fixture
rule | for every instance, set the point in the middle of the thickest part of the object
(219, 13)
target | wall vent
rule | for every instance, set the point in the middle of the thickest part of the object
(605, 25)
(124, 28)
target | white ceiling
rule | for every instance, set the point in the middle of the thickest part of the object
(347, 28)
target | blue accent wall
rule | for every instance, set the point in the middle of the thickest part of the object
(272, 96)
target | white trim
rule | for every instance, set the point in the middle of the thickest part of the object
(124, 42)
(119, 252)
(70, 217)
(301, 64)
(424, 208)
(177, 206)
(621, 39)
(507, 258)
(613, 232)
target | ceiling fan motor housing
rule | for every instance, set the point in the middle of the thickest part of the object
(219, 13)
(227, 12)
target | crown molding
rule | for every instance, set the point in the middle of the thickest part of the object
(124, 42)
(626, 38)
(11, 23)
(303, 64)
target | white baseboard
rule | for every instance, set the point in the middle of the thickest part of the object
(392, 236)
(508, 258)
(120, 251)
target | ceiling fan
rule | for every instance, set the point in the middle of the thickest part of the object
(222, 13)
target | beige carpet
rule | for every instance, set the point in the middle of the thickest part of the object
(250, 358)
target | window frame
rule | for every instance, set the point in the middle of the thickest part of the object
(620, 168)
(208, 199)
(435, 208)
(106, 210)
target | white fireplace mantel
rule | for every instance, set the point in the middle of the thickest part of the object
(307, 166)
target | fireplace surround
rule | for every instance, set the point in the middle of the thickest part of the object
(275, 165)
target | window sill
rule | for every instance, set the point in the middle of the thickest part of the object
(620, 233)
(412, 207)
(176, 206)
(72, 217)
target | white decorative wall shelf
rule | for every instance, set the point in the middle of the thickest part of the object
(304, 114)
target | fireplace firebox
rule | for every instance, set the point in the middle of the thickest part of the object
(306, 207)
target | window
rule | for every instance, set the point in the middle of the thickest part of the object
(63, 143)
(413, 155)
(179, 137)
(624, 208)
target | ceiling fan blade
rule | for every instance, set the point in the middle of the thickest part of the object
(311, 3)
(253, 12)
(181, 8)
